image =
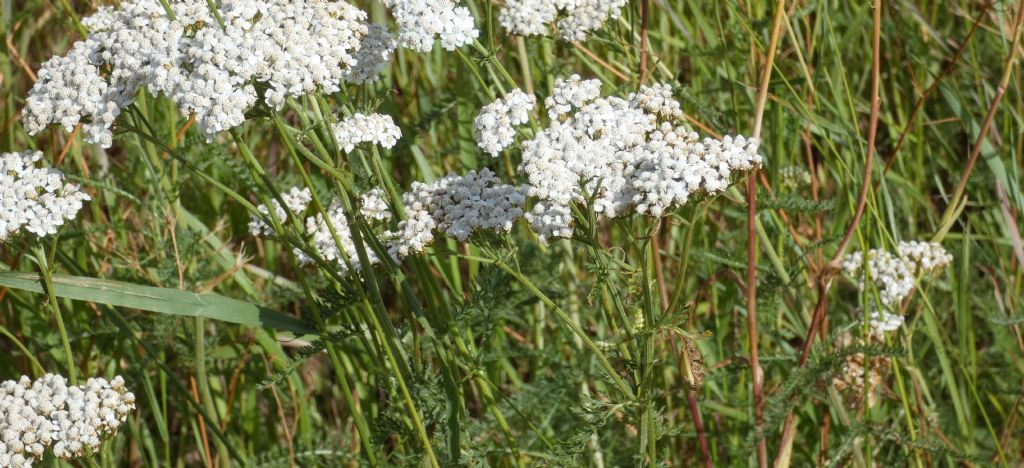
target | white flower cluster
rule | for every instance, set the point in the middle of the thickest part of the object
(528, 17)
(295, 199)
(623, 157)
(881, 321)
(550, 220)
(657, 100)
(893, 275)
(373, 205)
(373, 55)
(324, 242)
(209, 71)
(316, 228)
(575, 19)
(34, 199)
(926, 257)
(47, 414)
(674, 165)
(104, 18)
(379, 129)
(795, 176)
(421, 22)
(571, 93)
(494, 126)
(456, 206)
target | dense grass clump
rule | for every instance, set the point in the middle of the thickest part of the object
(511, 233)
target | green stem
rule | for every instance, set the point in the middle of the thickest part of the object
(74, 18)
(203, 379)
(620, 384)
(32, 359)
(46, 269)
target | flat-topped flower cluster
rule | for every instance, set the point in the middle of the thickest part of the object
(47, 414)
(207, 69)
(629, 155)
(494, 127)
(215, 65)
(572, 20)
(623, 155)
(378, 129)
(421, 22)
(34, 199)
(894, 276)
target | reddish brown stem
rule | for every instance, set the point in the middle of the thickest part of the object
(829, 270)
(935, 84)
(698, 425)
(958, 193)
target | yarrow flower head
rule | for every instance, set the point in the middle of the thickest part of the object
(494, 126)
(378, 129)
(290, 47)
(881, 322)
(571, 93)
(893, 276)
(456, 206)
(34, 199)
(925, 257)
(373, 205)
(573, 19)
(47, 414)
(657, 100)
(675, 165)
(624, 154)
(295, 199)
(421, 22)
(373, 55)
(318, 230)
(323, 241)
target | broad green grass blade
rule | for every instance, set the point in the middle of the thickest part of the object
(162, 300)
